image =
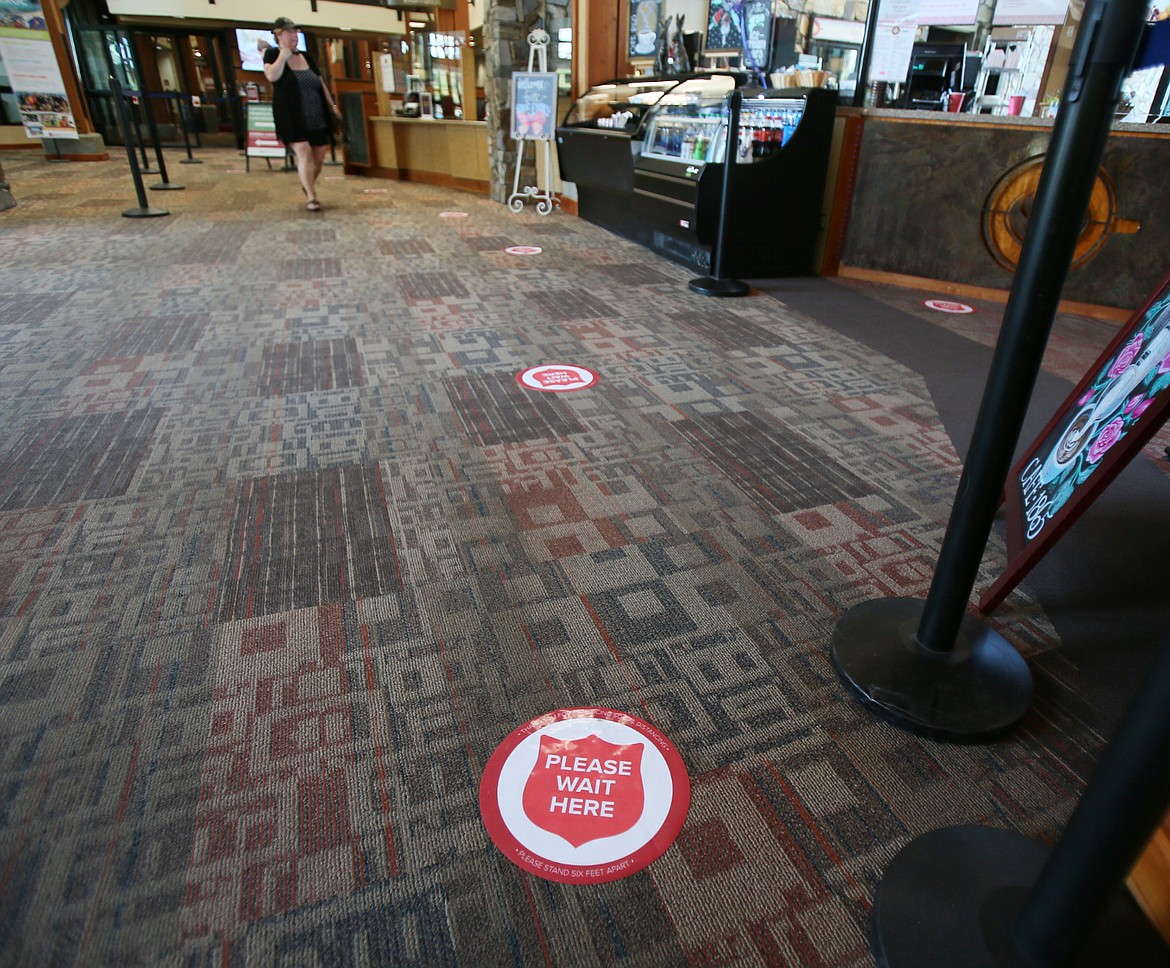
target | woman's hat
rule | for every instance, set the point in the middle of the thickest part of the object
(284, 23)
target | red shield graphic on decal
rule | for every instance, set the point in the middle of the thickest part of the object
(585, 789)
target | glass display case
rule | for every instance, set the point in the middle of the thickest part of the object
(781, 157)
(689, 123)
(617, 105)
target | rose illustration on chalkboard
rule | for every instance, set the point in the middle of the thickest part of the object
(1109, 408)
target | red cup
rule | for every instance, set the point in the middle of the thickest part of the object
(1015, 104)
(956, 102)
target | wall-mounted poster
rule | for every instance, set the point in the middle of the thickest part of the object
(757, 21)
(33, 74)
(1111, 414)
(534, 105)
(725, 27)
(645, 16)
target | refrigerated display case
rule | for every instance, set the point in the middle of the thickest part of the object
(777, 185)
(597, 143)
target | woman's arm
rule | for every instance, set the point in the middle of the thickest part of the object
(274, 69)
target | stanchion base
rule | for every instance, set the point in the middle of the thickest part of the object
(190, 161)
(710, 286)
(974, 692)
(144, 212)
(953, 896)
(167, 187)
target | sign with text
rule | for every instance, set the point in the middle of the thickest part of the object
(644, 20)
(557, 377)
(534, 105)
(1111, 414)
(27, 54)
(584, 796)
(893, 40)
(262, 141)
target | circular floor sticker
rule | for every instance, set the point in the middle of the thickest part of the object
(524, 250)
(946, 306)
(374, 191)
(452, 215)
(584, 796)
(557, 377)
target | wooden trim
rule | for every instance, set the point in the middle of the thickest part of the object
(445, 180)
(63, 157)
(567, 205)
(848, 163)
(1149, 881)
(31, 146)
(1112, 314)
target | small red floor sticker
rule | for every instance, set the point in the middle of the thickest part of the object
(452, 215)
(584, 796)
(557, 377)
(524, 250)
(374, 191)
(946, 306)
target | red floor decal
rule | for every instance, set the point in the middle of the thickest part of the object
(584, 796)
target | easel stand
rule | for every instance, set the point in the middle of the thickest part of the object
(927, 666)
(538, 42)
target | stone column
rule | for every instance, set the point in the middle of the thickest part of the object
(506, 26)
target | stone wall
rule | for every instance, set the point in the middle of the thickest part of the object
(506, 26)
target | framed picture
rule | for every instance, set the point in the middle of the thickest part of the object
(645, 16)
(724, 27)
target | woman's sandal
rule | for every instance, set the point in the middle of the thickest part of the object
(314, 205)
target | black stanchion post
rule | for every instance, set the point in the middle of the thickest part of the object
(165, 185)
(981, 896)
(143, 210)
(926, 665)
(183, 104)
(717, 284)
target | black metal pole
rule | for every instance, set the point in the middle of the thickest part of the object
(871, 19)
(976, 895)
(1118, 813)
(182, 104)
(1101, 58)
(717, 284)
(143, 210)
(928, 666)
(152, 127)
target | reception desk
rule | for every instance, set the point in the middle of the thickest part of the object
(932, 197)
(449, 153)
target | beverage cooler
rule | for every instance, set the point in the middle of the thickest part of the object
(777, 184)
(598, 142)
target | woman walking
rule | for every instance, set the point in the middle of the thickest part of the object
(301, 105)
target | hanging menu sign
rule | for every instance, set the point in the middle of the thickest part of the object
(893, 40)
(947, 11)
(31, 62)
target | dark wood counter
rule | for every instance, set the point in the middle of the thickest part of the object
(944, 197)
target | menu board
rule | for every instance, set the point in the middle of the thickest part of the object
(1012, 12)
(893, 40)
(1111, 414)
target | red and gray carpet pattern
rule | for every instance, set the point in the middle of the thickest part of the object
(287, 551)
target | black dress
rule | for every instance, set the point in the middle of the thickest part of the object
(299, 109)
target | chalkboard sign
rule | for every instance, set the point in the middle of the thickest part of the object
(757, 22)
(357, 148)
(1111, 414)
(534, 105)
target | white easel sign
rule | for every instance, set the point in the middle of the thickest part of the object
(534, 105)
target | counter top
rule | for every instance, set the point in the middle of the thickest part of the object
(989, 120)
(461, 122)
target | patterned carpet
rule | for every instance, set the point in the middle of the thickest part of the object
(287, 551)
